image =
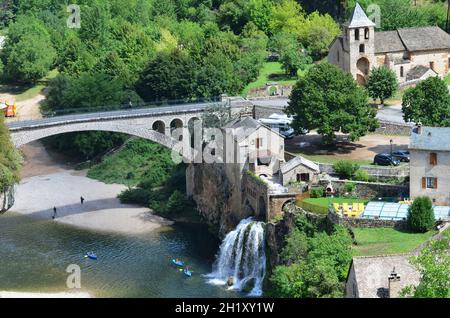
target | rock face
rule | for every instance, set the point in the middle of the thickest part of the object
(6, 200)
(212, 192)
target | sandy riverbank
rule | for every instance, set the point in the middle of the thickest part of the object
(4, 294)
(48, 182)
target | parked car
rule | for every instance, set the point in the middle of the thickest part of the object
(385, 159)
(402, 155)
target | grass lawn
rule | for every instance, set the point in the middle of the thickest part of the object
(325, 202)
(382, 241)
(22, 93)
(271, 72)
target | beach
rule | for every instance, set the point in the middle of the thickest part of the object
(49, 182)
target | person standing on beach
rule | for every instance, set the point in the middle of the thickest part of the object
(82, 200)
(54, 213)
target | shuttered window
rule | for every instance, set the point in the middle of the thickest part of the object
(433, 158)
(429, 183)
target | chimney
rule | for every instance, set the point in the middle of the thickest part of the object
(394, 284)
(419, 128)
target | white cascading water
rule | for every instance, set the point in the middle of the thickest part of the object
(242, 257)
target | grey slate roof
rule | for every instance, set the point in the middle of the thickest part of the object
(412, 39)
(431, 138)
(371, 274)
(417, 72)
(425, 38)
(359, 19)
(244, 127)
(295, 162)
(388, 41)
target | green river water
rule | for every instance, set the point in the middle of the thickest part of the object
(34, 255)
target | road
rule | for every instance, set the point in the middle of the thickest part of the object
(392, 113)
(138, 112)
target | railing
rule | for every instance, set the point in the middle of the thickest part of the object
(111, 108)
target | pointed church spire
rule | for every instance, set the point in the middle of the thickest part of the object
(359, 18)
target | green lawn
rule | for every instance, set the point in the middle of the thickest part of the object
(382, 241)
(271, 72)
(22, 93)
(325, 202)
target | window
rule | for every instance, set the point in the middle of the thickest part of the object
(429, 183)
(357, 34)
(366, 33)
(402, 71)
(259, 143)
(433, 158)
(361, 48)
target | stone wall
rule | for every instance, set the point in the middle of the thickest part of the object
(265, 111)
(394, 129)
(370, 190)
(364, 223)
(376, 171)
(268, 90)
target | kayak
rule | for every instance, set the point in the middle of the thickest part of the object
(90, 255)
(187, 272)
(177, 263)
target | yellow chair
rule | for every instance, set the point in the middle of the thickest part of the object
(346, 209)
(337, 207)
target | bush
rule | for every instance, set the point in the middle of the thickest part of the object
(317, 192)
(362, 175)
(350, 187)
(135, 196)
(345, 169)
(421, 215)
(177, 203)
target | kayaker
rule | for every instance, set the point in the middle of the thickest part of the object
(54, 213)
(82, 200)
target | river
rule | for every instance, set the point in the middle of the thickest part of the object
(35, 252)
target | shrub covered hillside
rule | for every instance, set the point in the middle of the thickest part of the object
(154, 180)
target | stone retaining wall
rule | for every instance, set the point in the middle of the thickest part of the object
(364, 223)
(394, 129)
(370, 190)
(376, 171)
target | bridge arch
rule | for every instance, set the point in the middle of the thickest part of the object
(21, 137)
(159, 126)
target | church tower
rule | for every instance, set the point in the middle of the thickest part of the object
(359, 42)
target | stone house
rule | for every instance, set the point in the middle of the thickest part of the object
(430, 164)
(380, 276)
(299, 169)
(412, 53)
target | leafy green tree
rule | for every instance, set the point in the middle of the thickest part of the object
(317, 33)
(287, 16)
(30, 59)
(294, 58)
(296, 247)
(177, 202)
(427, 103)
(234, 13)
(287, 281)
(260, 13)
(170, 76)
(433, 264)
(421, 215)
(329, 100)
(382, 83)
(9, 161)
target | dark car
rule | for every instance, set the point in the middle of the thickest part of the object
(402, 155)
(384, 159)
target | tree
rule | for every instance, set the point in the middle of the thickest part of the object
(170, 76)
(345, 169)
(296, 247)
(287, 16)
(177, 203)
(433, 264)
(9, 165)
(234, 13)
(28, 53)
(317, 33)
(428, 103)
(30, 59)
(329, 100)
(421, 215)
(382, 83)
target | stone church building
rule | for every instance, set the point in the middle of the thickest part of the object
(412, 53)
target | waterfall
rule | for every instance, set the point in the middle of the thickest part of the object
(242, 257)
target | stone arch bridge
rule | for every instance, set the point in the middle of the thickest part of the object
(155, 124)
